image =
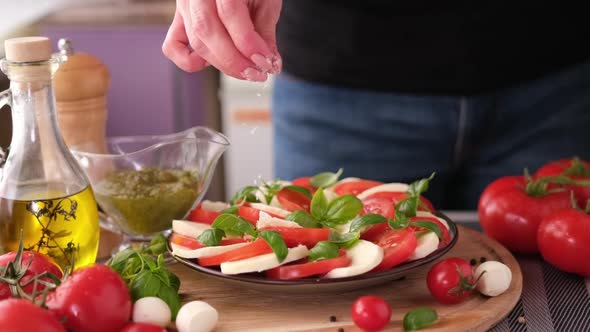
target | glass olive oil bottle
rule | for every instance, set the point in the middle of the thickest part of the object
(44, 194)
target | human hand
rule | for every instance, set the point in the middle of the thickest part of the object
(238, 37)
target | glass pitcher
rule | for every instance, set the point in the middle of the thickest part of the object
(43, 191)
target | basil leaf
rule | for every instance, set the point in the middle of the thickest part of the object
(367, 220)
(276, 242)
(299, 189)
(344, 240)
(323, 250)
(144, 284)
(170, 296)
(231, 223)
(157, 245)
(407, 206)
(429, 225)
(231, 210)
(211, 237)
(400, 221)
(120, 259)
(174, 281)
(325, 179)
(343, 209)
(419, 318)
(247, 194)
(271, 189)
(418, 187)
(319, 205)
(303, 218)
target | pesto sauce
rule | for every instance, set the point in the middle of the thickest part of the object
(146, 201)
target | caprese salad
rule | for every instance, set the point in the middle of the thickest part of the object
(319, 226)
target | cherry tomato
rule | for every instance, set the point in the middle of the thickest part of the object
(295, 236)
(450, 281)
(292, 200)
(39, 263)
(371, 313)
(580, 171)
(201, 215)
(258, 247)
(142, 327)
(398, 246)
(304, 182)
(511, 215)
(564, 241)
(92, 299)
(191, 243)
(19, 315)
(355, 187)
(303, 270)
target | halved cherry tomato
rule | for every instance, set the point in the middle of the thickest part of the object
(201, 215)
(398, 246)
(258, 247)
(443, 229)
(295, 236)
(394, 197)
(355, 187)
(298, 271)
(191, 243)
(304, 182)
(292, 200)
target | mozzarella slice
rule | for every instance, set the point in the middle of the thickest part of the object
(214, 206)
(496, 279)
(275, 202)
(189, 228)
(265, 220)
(387, 187)
(427, 243)
(184, 252)
(263, 262)
(270, 209)
(430, 215)
(364, 256)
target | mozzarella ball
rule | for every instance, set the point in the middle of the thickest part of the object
(196, 316)
(496, 279)
(152, 310)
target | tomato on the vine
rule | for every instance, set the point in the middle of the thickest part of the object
(371, 313)
(564, 240)
(511, 208)
(18, 315)
(574, 169)
(37, 263)
(450, 281)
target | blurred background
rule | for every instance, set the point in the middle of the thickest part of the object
(127, 36)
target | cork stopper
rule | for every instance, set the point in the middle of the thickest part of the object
(27, 49)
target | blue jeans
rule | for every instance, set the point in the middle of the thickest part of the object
(467, 141)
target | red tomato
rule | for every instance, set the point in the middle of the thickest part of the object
(374, 233)
(295, 236)
(304, 182)
(252, 215)
(355, 187)
(19, 315)
(292, 200)
(142, 327)
(371, 313)
(557, 167)
(191, 243)
(398, 246)
(450, 281)
(201, 215)
(375, 203)
(510, 215)
(378, 205)
(303, 270)
(446, 236)
(564, 241)
(255, 248)
(92, 299)
(39, 263)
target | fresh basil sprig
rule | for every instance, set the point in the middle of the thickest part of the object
(230, 223)
(363, 221)
(419, 318)
(303, 218)
(211, 237)
(337, 212)
(247, 194)
(323, 250)
(325, 179)
(146, 274)
(276, 242)
(345, 240)
(429, 225)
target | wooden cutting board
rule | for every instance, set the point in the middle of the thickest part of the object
(247, 310)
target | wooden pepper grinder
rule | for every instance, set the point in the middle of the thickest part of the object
(80, 87)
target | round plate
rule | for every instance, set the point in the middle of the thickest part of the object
(257, 281)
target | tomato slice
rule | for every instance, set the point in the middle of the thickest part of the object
(398, 246)
(303, 270)
(201, 215)
(304, 182)
(295, 236)
(249, 213)
(446, 236)
(292, 200)
(256, 248)
(191, 243)
(355, 187)
(384, 203)
(373, 233)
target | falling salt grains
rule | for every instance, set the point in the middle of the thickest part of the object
(253, 130)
